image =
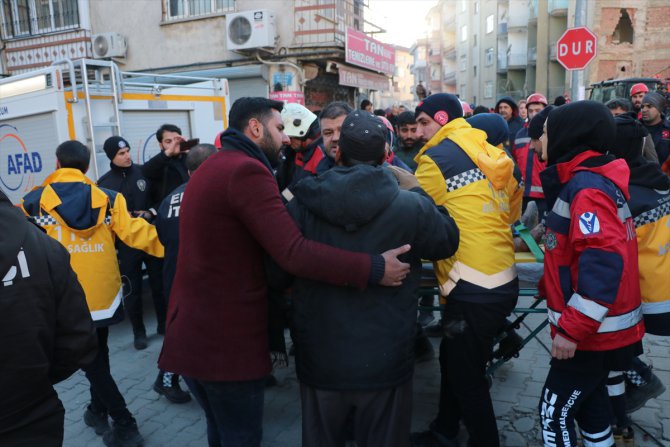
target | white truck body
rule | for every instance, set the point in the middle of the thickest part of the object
(90, 101)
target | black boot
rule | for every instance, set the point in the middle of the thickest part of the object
(123, 434)
(140, 342)
(167, 384)
(96, 419)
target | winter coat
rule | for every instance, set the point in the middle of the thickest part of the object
(164, 174)
(231, 215)
(46, 330)
(363, 339)
(591, 277)
(86, 220)
(131, 183)
(474, 181)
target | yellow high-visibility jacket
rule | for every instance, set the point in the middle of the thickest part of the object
(474, 181)
(86, 219)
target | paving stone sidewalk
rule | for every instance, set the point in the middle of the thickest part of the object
(515, 390)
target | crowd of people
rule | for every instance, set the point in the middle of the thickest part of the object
(322, 224)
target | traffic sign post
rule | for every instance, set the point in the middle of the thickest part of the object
(576, 48)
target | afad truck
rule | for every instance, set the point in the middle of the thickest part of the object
(90, 101)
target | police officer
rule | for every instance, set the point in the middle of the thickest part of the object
(126, 177)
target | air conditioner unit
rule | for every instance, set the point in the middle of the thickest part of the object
(250, 29)
(106, 45)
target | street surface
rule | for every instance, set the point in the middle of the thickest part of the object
(516, 389)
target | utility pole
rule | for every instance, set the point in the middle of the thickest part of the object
(580, 20)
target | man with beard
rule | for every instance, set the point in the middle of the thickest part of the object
(507, 108)
(653, 105)
(232, 215)
(330, 120)
(637, 93)
(408, 144)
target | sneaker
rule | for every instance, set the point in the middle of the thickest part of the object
(624, 437)
(637, 396)
(173, 393)
(98, 421)
(140, 341)
(124, 434)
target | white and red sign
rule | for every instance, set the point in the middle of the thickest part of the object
(362, 79)
(286, 97)
(576, 48)
(364, 51)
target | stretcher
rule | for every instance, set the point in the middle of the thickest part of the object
(508, 342)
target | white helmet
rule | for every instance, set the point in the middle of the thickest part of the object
(297, 120)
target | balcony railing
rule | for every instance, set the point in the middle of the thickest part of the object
(518, 18)
(558, 8)
(502, 63)
(30, 21)
(515, 60)
(502, 28)
(450, 77)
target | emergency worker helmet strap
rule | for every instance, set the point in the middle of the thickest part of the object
(297, 120)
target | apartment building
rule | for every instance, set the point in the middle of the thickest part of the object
(508, 47)
(288, 49)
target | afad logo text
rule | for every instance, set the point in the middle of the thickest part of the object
(18, 164)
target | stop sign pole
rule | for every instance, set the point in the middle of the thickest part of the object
(580, 19)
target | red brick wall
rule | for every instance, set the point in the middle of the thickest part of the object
(658, 17)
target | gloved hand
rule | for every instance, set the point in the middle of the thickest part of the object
(405, 179)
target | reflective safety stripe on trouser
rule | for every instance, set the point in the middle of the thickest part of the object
(609, 324)
(461, 271)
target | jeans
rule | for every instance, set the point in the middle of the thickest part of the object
(234, 411)
(105, 395)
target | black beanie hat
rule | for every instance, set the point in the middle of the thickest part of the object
(441, 107)
(536, 125)
(113, 145)
(363, 137)
(656, 100)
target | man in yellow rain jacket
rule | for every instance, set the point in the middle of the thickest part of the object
(473, 180)
(86, 219)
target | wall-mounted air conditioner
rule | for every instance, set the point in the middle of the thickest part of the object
(107, 45)
(250, 29)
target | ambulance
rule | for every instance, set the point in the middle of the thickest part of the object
(89, 101)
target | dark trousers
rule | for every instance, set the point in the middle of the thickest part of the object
(105, 395)
(464, 353)
(234, 411)
(130, 265)
(573, 393)
(381, 418)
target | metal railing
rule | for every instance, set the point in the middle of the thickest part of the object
(517, 59)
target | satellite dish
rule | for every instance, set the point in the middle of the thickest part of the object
(239, 30)
(101, 45)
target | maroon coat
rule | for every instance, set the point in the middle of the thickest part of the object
(231, 215)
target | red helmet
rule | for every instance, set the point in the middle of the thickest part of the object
(639, 88)
(536, 98)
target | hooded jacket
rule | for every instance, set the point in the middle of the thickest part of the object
(231, 215)
(45, 326)
(591, 277)
(650, 205)
(473, 180)
(515, 123)
(530, 164)
(363, 339)
(86, 219)
(164, 174)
